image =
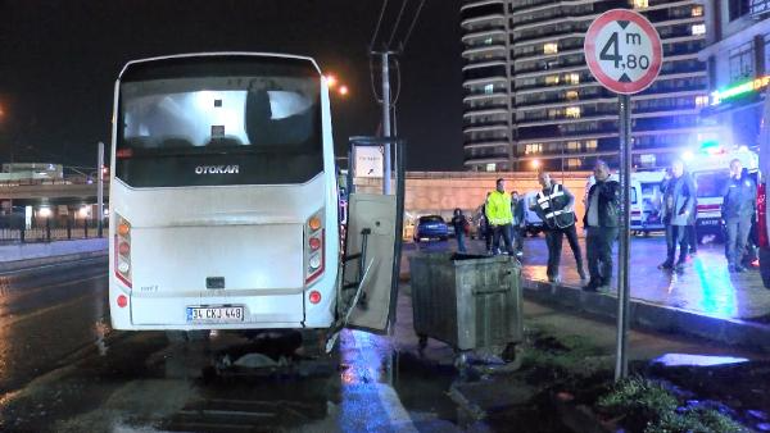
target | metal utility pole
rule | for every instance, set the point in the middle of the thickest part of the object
(386, 130)
(100, 190)
(624, 285)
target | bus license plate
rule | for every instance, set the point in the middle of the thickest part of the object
(215, 314)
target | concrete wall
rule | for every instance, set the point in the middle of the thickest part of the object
(441, 192)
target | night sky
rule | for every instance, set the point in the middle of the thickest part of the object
(59, 60)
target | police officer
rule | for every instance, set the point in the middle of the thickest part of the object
(555, 206)
(737, 210)
(498, 213)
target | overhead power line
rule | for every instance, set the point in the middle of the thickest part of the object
(414, 22)
(398, 23)
(379, 24)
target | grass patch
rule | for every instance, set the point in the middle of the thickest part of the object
(647, 406)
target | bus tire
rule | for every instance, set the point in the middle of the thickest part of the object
(178, 337)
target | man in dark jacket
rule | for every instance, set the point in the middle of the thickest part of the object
(517, 209)
(738, 208)
(601, 223)
(678, 206)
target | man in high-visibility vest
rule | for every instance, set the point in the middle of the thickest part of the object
(499, 216)
(555, 206)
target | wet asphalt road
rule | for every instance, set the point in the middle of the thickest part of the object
(63, 370)
(47, 316)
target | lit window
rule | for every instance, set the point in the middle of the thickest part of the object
(488, 41)
(554, 113)
(533, 148)
(552, 80)
(489, 89)
(551, 48)
(698, 29)
(641, 4)
(701, 101)
(697, 11)
(572, 78)
(647, 160)
(573, 146)
(491, 167)
(572, 95)
(573, 112)
(574, 163)
(591, 145)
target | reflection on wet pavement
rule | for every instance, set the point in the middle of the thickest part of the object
(705, 286)
(683, 359)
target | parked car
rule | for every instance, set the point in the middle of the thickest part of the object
(431, 227)
(532, 222)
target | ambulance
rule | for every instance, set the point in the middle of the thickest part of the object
(710, 170)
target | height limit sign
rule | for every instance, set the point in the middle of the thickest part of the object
(623, 51)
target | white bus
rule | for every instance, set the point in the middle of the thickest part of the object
(223, 195)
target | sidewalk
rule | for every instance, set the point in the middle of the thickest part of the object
(705, 286)
(705, 301)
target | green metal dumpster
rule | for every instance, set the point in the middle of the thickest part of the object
(469, 302)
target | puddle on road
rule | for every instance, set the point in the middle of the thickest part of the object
(359, 389)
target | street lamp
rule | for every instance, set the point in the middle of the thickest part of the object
(535, 164)
(344, 90)
(331, 81)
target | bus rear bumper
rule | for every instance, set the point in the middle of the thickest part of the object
(263, 311)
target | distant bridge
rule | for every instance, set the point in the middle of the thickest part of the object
(75, 190)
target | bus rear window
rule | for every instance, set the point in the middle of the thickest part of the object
(216, 121)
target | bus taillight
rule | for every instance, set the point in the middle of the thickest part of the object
(123, 251)
(314, 250)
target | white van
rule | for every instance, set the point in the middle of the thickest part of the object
(646, 200)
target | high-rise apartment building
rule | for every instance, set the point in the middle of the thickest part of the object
(531, 102)
(738, 58)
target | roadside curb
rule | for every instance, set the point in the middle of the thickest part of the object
(17, 265)
(646, 315)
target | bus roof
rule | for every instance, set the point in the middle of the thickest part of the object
(219, 54)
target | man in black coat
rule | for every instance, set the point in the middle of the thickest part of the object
(601, 223)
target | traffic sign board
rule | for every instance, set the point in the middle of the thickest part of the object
(623, 51)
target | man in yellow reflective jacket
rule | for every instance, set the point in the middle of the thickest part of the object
(499, 216)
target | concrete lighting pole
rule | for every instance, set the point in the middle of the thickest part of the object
(100, 190)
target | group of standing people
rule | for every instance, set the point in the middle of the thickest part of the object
(503, 215)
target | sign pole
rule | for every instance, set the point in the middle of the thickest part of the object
(624, 286)
(625, 55)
